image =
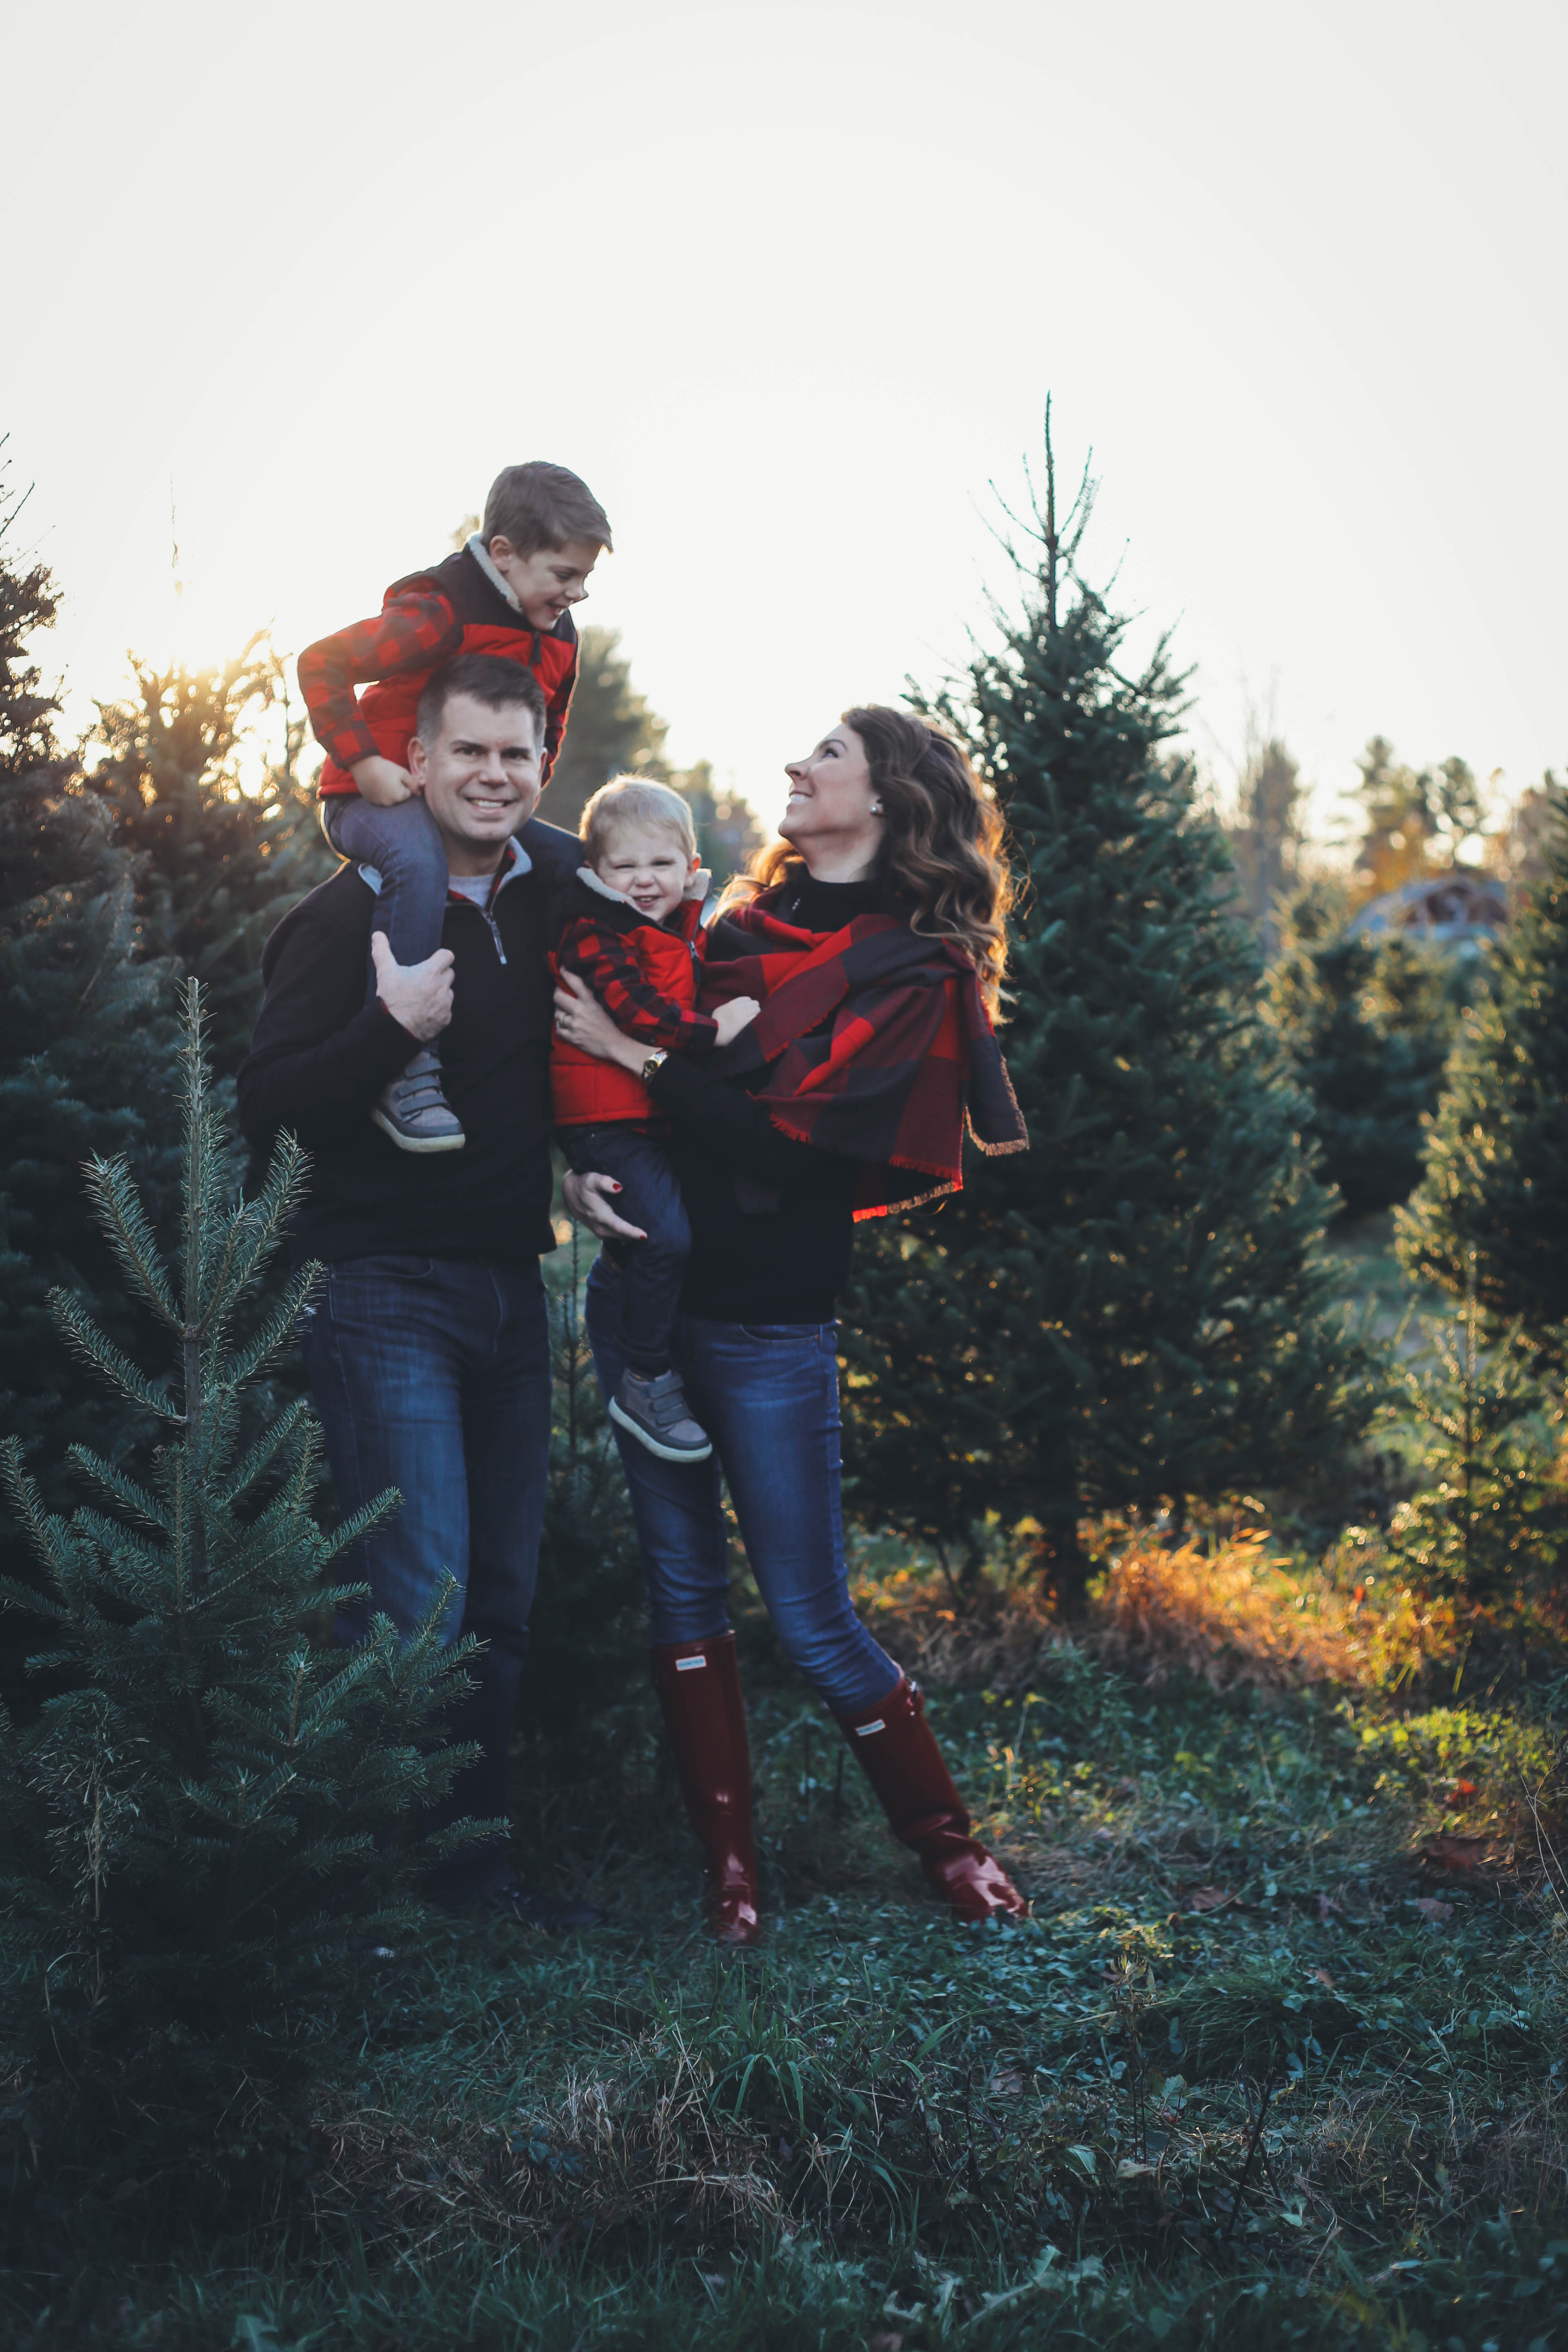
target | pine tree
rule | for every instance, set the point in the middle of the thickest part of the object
(1367, 1022)
(1265, 842)
(227, 838)
(1133, 1311)
(728, 833)
(1495, 1187)
(86, 1053)
(210, 1803)
(610, 729)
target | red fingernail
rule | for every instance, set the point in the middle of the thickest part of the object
(617, 1188)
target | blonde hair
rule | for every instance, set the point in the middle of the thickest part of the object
(943, 842)
(633, 800)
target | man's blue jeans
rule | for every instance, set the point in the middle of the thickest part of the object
(432, 1375)
(768, 1397)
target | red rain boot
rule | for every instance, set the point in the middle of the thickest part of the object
(698, 1689)
(893, 1745)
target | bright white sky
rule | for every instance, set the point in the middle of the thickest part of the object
(788, 286)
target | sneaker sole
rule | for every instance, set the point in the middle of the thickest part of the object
(666, 1453)
(416, 1142)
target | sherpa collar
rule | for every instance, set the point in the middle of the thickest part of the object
(499, 580)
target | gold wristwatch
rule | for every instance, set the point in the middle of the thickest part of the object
(654, 1064)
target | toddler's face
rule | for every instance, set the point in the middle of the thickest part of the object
(549, 582)
(647, 866)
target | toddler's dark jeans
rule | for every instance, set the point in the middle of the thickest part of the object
(406, 854)
(652, 1271)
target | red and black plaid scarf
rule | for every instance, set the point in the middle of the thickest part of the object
(882, 1045)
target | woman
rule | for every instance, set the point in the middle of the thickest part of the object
(876, 941)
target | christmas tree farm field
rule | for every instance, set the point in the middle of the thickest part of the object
(1279, 2058)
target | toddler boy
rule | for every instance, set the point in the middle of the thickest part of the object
(509, 591)
(630, 925)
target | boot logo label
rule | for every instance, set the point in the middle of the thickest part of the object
(864, 1730)
(685, 1665)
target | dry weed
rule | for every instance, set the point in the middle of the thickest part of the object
(1234, 1617)
(649, 2152)
(1229, 1618)
(1388, 2142)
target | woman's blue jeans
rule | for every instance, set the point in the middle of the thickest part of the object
(768, 1397)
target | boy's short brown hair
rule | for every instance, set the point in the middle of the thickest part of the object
(634, 800)
(538, 505)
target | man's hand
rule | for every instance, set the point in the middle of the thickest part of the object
(589, 1199)
(383, 782)
(417, 996)
(731, 1018)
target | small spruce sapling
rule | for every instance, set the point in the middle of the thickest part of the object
(1491, 1518)
(210, 1805)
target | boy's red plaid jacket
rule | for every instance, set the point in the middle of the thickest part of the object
(881, 1046)
(425, 620)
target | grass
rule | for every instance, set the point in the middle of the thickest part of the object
(1280, 2060)
(1300, 1923)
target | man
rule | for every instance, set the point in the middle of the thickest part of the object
(427, 1345)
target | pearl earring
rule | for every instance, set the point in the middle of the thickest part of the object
(876, 808)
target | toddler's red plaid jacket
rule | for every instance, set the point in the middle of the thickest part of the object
(645, 976)
(457, 608)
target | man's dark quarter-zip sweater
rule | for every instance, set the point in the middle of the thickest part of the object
(321, 1056)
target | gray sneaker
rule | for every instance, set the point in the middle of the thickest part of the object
(413, 1111)
(658, 1415)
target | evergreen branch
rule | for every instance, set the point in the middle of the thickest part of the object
(360, 1523)
(48, 1535)
(31, 1603)
(256, 1459)
(275, 1334)
(124, 1490)
(260, 1221)
(84, 1338)
(112, 1191)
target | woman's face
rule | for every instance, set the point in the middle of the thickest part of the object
(831, 806)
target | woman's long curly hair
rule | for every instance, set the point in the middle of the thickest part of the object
(943, 848)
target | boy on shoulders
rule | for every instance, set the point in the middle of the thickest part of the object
(509, 592)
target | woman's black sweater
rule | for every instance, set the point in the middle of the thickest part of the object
(771, 1220)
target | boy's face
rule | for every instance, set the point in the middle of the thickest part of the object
(647, 866)
(549, 582)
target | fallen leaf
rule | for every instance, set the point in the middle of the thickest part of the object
(1321, 1976)
(1008, 2086)
(1450, 1850)
(1207, 1898)
(1328, 1908)
(1130, 2169)
(1430, 1908)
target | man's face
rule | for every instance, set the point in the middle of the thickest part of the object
(549, 582)
(479, 778)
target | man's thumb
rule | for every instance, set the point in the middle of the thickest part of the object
(381, 954)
